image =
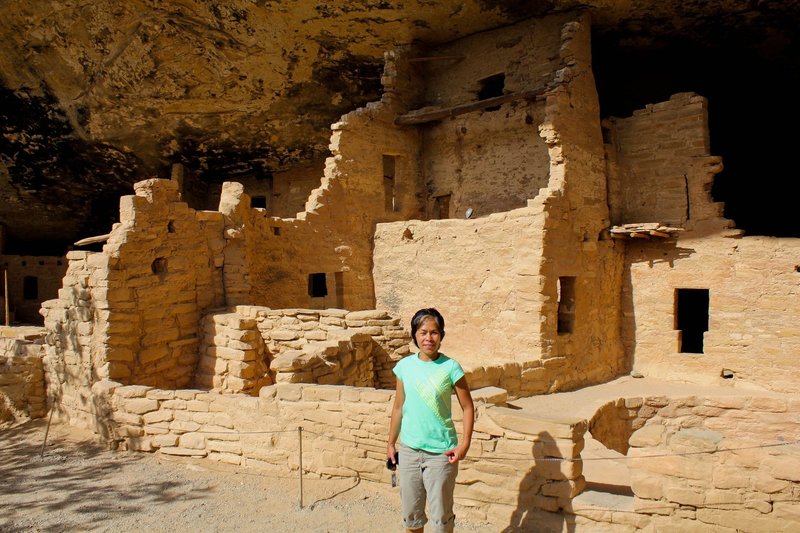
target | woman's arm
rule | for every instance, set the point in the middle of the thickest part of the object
(394, 425)
(465, 400)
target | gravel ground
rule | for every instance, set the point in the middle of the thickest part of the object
(79, 485)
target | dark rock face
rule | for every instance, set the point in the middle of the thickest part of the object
(97, 96)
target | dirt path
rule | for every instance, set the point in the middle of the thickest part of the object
(80, 485)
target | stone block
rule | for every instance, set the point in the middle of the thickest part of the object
(529, 424)
(647, 437)
(140, 406)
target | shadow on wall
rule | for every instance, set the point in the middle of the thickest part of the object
(538, 508)
(652, 252)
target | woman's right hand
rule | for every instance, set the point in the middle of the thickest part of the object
(391, 453)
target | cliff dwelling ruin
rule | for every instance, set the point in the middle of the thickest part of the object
(218, 218)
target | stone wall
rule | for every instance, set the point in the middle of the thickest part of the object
(491, 160)
(753, 487)
(507, 474)
(490, 306)
(502, 274)
(132, 312)
(22, 383)
(252, 346)
(753, 287)
(658, 151)
(46, 273)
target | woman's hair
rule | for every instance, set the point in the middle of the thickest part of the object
(421, 315)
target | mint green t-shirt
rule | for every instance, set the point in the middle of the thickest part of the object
(427, 422)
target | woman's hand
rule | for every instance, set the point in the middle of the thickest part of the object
(457, 453)
(391, 453)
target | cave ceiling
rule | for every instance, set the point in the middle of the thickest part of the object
(97, 95)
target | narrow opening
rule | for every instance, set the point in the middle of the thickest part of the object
(389, 193)
(691, 318)
(171, 226)
(491, 87)
(30, 288)
(441, 207)
(159, 265)
(259, 202)
(566, 304)
(317, 286)
(276, 231)
(41, 263)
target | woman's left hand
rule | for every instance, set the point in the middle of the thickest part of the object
(457, 453)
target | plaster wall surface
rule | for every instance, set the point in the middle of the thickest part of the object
(753, 287)
(752, 282)
(491, 160)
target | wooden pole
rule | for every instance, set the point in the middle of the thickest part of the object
(412, 118)
(300, 437)
(5, 292)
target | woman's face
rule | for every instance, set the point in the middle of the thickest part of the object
(428, 337)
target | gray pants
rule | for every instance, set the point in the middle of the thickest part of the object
(427, 476)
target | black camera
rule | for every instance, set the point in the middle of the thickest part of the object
(393, 466)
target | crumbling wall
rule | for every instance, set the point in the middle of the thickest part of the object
(658, 153)
(42, 277)
(131, 312)
(752, 487)
(333, 236)
(250, 346)
(22, 383)
(491, 160)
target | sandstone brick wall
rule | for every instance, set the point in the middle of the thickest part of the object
(751, 488)
(254, 346)
(332, 236)
(657, 151)
(496, 279)
(22, 383)
(491, 160)
(344, 433)
(132, 312)
(480, 274)
(48, 272)
(753, 285)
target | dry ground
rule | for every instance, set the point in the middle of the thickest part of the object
(79, 485)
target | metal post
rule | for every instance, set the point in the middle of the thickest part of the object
(300, 437)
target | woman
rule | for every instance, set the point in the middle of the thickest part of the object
(428, 450)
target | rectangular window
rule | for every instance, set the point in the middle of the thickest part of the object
(566, 304)
(389, 192)
(691, 318)
(317, 286)
(259, 202)
(30, 288)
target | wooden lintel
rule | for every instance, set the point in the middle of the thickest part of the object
(657, 233)
(420, 118)
(435, 58)
(92, 240)
(639, 235)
